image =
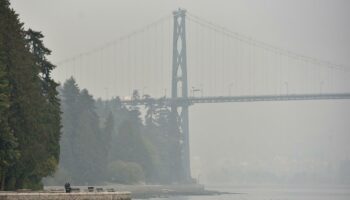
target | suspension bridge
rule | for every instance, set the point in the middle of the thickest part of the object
(183, 59)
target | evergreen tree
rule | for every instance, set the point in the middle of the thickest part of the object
(84, 152)
(89, 141)
(96, 130)
(165, 136)
(8, 143)
(70, 101)
(131, 145)
(23, 118)
(51, 114)
(107, 132)
(20, 74)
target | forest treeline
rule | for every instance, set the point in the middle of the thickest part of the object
(29, 106)
(107, 142)
(64, 134)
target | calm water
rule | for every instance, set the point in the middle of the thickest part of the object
(275, 193)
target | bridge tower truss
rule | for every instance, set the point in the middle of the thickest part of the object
(180, 88)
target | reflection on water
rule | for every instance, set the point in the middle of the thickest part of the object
(275, 193)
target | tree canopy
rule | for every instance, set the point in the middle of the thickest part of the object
(29, 106)
(104, 141)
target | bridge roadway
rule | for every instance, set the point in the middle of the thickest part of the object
(222, 99)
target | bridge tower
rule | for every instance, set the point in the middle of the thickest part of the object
(180, 89)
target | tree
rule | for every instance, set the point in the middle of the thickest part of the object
(84, 151)
(8, 142)
(52, 114)
(24, 94)
(132, 146)
(125, 172)
(108, 130)
(164, 134)
(155, 145)
(25, 107)
(89, 142)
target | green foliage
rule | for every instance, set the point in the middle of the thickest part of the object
(125, 172)
(162, 131)
(131, 146)
(8, 143)
(29, 114)
(154, 145)
(106, 141)
(84, 152)
(51, 116)
(102, 141)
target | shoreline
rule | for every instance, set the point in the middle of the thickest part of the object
(150, 191)
(44, 195)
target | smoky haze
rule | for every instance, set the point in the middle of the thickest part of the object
(232, 142)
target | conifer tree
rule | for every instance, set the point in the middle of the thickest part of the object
(84, 150)
(51, 107)
(26, 110)
(70, 100)
(8, 143)
(164, 134)
(20, 73)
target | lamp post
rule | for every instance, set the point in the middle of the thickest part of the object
(194, 90)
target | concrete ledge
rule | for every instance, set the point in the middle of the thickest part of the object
(66, 196)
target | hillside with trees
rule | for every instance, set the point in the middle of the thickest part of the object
(106, 142)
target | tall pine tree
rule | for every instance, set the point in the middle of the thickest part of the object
(84, 150)
(27, 114)
(8, 143)
(50, 116)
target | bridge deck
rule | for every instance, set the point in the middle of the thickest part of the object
(223, 99)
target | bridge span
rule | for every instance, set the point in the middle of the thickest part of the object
(222, 99)
(221, 62)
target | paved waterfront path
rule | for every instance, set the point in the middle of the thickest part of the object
(65, 196)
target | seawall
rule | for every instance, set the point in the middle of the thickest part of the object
(65, 196)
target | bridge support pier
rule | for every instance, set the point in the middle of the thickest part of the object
(180, 89)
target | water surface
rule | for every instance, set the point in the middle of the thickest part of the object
(274, 193)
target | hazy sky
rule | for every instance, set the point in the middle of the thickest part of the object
(317, 28)
(241, 132)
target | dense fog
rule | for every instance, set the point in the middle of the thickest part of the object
(289, 142)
